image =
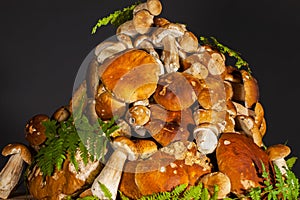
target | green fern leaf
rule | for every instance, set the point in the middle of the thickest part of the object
(116, 18)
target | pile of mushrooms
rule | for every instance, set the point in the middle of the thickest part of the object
(184, 117)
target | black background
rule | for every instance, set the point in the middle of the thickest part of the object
(43, 44)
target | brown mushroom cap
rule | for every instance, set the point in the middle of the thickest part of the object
(107, 106)
(131, 76)
(126, 145)
(61, 114)
(165, 133)
(18, 148)
(241, 160)
(251, 89)
(217, 178)
(278, 151)
(174, 92)
(35, 130)
(162, 172)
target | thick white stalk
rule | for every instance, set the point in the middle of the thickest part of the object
(110, 175)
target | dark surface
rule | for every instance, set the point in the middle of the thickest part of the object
(43, 44)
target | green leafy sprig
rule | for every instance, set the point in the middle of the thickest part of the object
(62, 140)
(65, 139)
(286, 186)
(116, 18)
(213, 42)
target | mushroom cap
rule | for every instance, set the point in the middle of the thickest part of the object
(175, 92)
(131, 76)
(35, 130)
(18, 148)
(162, 172)
(138, 115)
(145, 148)
(165, 133)
(251, 89)
(126, 145)
(61, 114)
(154, 7)
(278, 151)
(107, 106)
(217, 178)
(241, 160)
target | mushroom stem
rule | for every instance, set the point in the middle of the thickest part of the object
(281, 164)
(206, 138)
(110, 175)
(10, 175)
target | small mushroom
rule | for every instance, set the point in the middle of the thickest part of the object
(138, 116)
(213, 60)
(169, 29)
(142, 21)
(61, 114)
(259, 114)
(277, 154)
(110, 175)
(12, 171)
(153, 6)
(35, 130)
(217, 178)
(206, 136)
(248, 126)
(188, 42)
(192, 65)
(247, 91)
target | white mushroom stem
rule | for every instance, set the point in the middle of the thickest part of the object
(281, 164)
(170, 55)
(110, 175)
(10, 175)
(206, 139)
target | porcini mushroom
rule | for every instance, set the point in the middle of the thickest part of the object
(61, 114)
(217, 179)
(131, 76)
(110, 175)
(12, 171)
(35, 130)
(206, 136)
(142, 21)
(174, 92)
(247, 124)
(277, 154)
(153, 6)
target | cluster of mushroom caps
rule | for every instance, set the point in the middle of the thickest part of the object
(184, 115)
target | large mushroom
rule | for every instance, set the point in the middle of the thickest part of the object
(12, 171)
(241, 160)
(131, 76)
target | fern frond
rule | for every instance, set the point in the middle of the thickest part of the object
(116, 18)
